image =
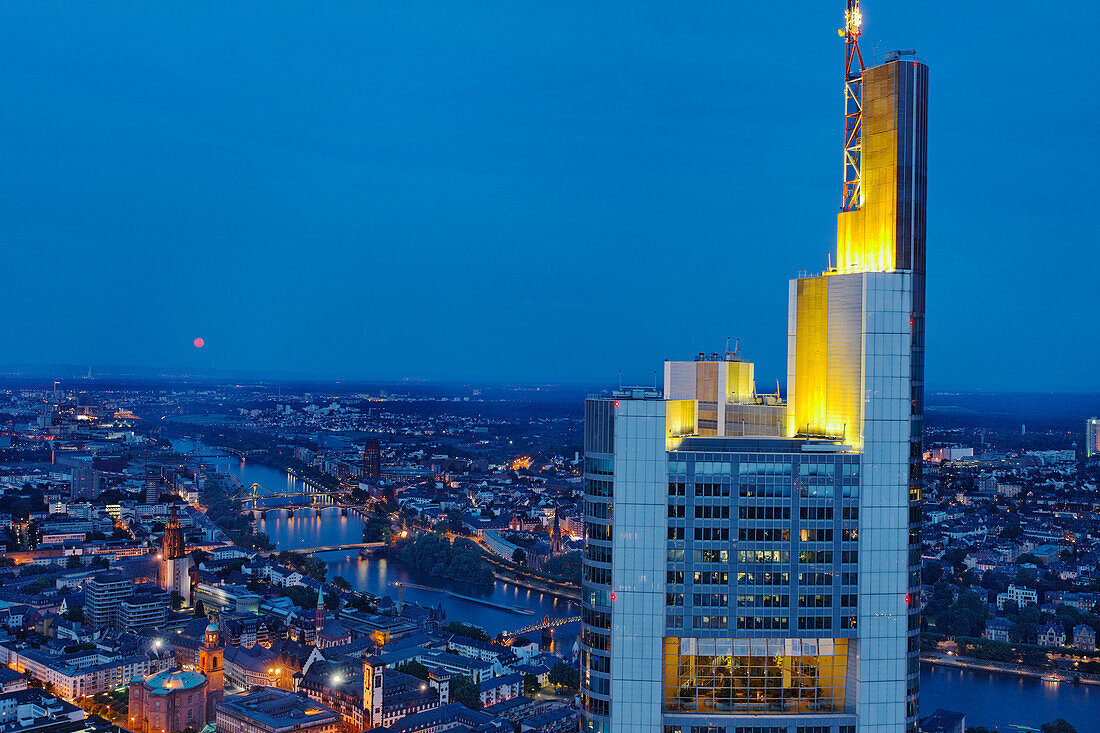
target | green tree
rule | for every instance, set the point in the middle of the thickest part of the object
(519, 557)
(565, 675)
(1058, 725)
(465, 691)
(340, 582)
(414, 668)
(468, 630)
(530, 685)
(200, 610)
(566, 567)
(73, 562)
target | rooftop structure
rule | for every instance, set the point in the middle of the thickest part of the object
(269, 710)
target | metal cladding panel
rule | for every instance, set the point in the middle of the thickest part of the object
(638, 565)
(884, 503)
(887, 231)
(827, 393)
(599, 426)
(808, 375)
(680, 380)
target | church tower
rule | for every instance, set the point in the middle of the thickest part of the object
(555, 536)
(319, 618)
(175, 563)
(210, 664)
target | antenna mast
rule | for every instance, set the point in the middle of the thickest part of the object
(853, 107)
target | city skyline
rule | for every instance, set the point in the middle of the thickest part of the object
(491, 175)
(548, 368)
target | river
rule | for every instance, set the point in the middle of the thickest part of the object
(999, 701)
(378, 575)
(987, 698)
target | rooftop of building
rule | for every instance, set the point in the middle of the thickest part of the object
(759, 444)
(276, 708)
(171, 680)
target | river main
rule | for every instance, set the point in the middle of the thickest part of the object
(987, 698)
(378, 575)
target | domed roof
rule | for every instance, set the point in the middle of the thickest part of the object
(171, 680)
(211, 628)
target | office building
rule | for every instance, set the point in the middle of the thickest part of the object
(753, 563)
(144, 609)
(268, 710)
(84, 483)
(103, 596)
(154, 485)
(372, 460)
(1092, 437)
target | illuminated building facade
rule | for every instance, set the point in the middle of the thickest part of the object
(753, 563)
(1092, 437)
(175, 563)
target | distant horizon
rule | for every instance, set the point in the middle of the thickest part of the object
(223, 376)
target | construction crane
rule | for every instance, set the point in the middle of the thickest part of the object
(853, 107)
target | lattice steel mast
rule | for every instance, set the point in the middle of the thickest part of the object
(853, 107)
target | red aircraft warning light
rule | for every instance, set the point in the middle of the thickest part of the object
(199, 342)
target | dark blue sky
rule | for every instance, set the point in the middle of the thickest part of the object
(529, 191)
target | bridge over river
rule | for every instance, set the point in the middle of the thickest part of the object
(336, 548)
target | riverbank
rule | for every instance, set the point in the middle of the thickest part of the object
(1004, 702)
(517, 575)
(1044, 673)
(558, 592)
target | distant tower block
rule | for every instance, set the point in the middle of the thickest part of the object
(372, 460)
(1092, 437)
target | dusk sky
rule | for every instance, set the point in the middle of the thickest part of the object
(523, 191)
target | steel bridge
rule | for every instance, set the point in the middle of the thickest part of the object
(546, 623)
(255, 492)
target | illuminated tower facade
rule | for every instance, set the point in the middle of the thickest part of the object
(175, 564)
(752, 563)
(211, 657)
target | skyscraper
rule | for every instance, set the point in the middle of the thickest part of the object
(1092, 437)
(752, 563)
(372, 460)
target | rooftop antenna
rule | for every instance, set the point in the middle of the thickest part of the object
(852, 197)
(620, 379)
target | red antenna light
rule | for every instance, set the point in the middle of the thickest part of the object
(616, 403)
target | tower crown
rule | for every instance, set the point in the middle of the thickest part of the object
(172, 546)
